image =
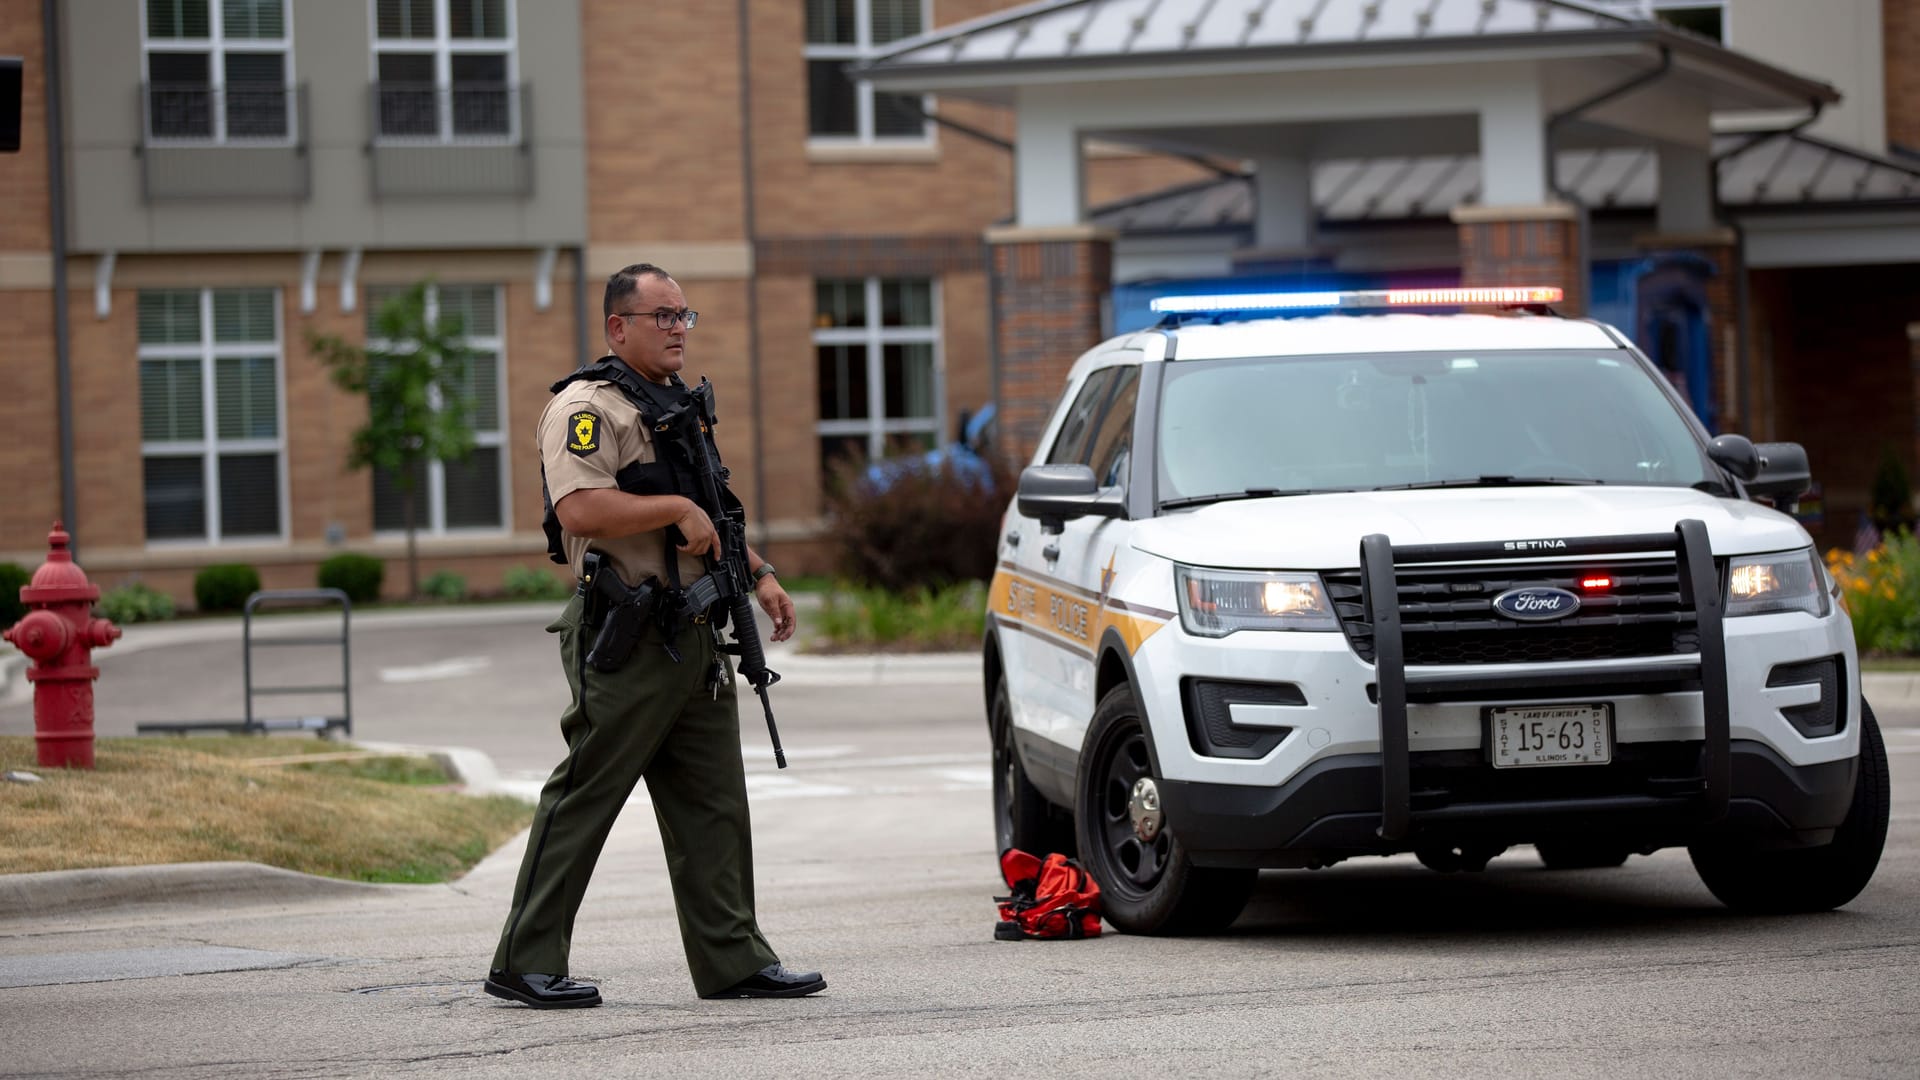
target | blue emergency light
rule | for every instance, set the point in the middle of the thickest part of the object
(1481, 296)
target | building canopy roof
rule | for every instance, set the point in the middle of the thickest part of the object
(1754, 173)
(1062, 40)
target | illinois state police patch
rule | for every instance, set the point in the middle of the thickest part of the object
(585, 435)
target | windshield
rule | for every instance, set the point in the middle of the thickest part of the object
(1345, 423)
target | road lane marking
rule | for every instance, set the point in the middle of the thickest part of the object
(441, 669)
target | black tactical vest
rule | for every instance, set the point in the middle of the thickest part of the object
(669, 473)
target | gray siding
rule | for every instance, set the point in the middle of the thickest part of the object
(319, 193)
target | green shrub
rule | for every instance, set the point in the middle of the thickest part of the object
(531, 583)
(135, 603)
(224, 586)
(357, 575)
(12, 577)
(927, 527)
(444, 585)
(1881, 592)
(919, 620)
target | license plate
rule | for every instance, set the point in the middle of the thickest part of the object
(1522, 736)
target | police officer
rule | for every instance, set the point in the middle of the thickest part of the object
(668, 713)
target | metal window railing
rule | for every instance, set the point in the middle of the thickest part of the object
(407, 113)
(240, 113)
(232, 142)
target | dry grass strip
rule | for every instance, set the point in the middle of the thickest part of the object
(201, 799)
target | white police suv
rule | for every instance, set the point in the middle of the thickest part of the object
(1295, 578)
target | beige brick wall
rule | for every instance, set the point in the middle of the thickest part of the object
(663, 121)
(106, 421)
(789, 392)
(321, 420)
(1900, 38)
(1111, 177)
(30, 453)
(966, 185)
(24, 221)
(540, 349)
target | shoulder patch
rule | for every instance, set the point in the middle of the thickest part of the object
(583, 433)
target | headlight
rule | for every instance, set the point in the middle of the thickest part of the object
(1215, 603)
(1786, 581)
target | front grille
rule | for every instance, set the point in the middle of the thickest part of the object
(1447, 616)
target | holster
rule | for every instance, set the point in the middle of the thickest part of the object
(614, 612)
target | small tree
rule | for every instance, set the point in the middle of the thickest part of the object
(418, 406)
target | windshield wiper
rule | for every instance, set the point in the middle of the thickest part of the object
(1491, 481)
(1245, 493)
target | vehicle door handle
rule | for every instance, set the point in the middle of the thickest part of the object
(1051, 551)
(1013, 539)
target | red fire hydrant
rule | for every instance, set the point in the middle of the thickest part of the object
(58, 634)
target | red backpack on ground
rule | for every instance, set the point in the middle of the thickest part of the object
(1052, 898)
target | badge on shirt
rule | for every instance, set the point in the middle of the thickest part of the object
(586, 433)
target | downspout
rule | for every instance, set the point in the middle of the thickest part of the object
(1582, 219)
(57, 207)
(753, 275)
(1742, 294)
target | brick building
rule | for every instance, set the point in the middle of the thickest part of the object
(870, 259)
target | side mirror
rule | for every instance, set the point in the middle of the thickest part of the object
(1056, 494)
(1783, 475)
(1736, 454)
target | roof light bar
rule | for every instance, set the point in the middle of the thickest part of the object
(1374, 298)
(1245, 302)
(1526, 294)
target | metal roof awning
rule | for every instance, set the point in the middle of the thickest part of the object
(1778, 172)
(1054, 41)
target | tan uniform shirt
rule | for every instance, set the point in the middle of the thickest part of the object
(589, 432)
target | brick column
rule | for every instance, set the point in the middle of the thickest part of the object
(1524, 245)
(1048, 288)
(1717, 247)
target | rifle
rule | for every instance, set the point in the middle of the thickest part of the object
(728, 578)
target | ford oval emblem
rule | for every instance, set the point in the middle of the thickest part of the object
(1536, 604)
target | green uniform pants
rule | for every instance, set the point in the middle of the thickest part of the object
(661, 720)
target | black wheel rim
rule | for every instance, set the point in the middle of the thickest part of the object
(1003, 782)
(1133, 865)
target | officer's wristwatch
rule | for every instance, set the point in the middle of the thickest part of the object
(765, 569)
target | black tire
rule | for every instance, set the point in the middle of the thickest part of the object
(1022, 817)
(1581, 854)
(1146, 886)
(1810, 879)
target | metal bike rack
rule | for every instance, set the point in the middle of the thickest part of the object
(253, 724)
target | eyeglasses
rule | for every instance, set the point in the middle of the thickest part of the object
(663, 318)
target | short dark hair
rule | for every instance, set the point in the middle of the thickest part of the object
(624, 283)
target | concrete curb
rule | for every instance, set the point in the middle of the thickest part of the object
(64, 892)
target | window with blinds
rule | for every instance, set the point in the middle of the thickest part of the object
(445, 69)
(211, 432)
(456, 495)
(843, 110)
(877, 363)
(218, 70)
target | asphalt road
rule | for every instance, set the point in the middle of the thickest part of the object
(875, 863)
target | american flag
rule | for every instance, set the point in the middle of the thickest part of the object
(1866, 537)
